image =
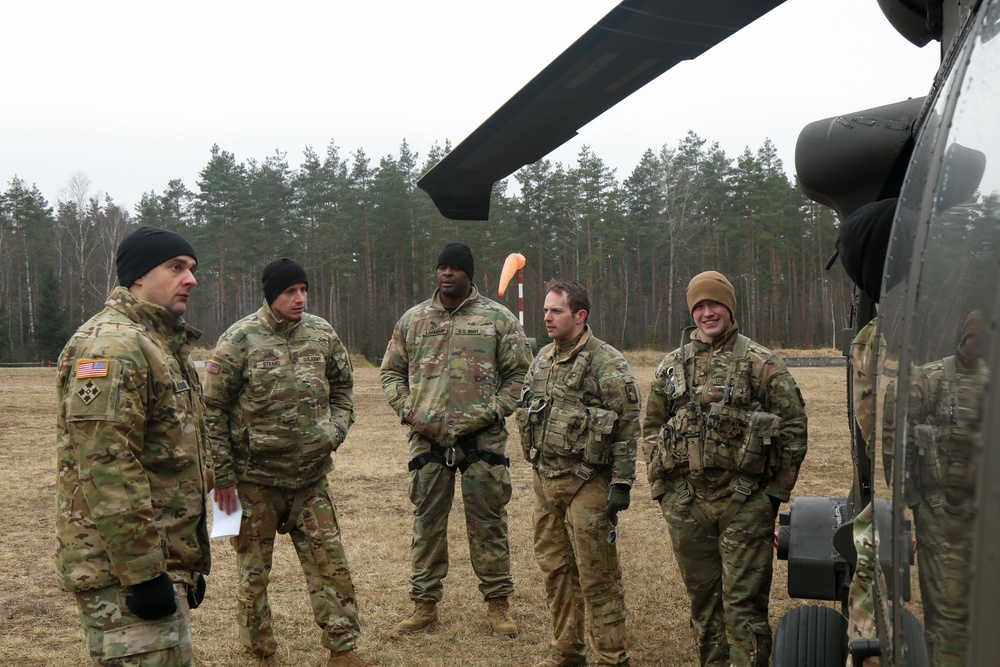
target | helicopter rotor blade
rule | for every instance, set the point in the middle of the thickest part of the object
(633, 44)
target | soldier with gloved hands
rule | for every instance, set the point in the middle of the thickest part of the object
(133, 461)
(579, 422)
(724, 435)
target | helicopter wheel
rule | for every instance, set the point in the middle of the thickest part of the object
(914, 645)
(811, 635)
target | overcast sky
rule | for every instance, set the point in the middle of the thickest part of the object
(132, 94)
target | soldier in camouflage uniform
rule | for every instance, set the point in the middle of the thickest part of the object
(579, 422)
(279, 401)
(133, 466)
(724, 435)
(453, 371)
(945, 415)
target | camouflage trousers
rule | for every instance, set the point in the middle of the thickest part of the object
(116, 637)
(728, 577)
(486, 491)
(582, 577)
(944, 567)
(317, 542)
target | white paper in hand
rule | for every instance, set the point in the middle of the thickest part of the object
(225, 525)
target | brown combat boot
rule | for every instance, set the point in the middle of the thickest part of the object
(556, 659)
(346, 659)
(423, 616)
(498, 614)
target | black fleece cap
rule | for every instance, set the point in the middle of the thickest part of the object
(864, 242)
(145, 249)
(458, 255)
(281, 274)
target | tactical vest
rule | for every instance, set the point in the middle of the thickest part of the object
(558, 421)
(947, 447)
(731, 434)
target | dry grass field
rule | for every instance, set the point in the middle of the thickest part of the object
(38, 623)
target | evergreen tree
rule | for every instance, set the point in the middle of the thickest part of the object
(54, 328)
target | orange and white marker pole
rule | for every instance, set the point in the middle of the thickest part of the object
(514, 264)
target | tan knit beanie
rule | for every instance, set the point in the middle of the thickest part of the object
(714, 286)
(973, 325)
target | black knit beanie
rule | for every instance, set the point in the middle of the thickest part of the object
(458, 255)
(145, 249)
(279, 275)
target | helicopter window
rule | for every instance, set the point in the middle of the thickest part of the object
(939, 297)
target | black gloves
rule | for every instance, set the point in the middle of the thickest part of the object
(152, 599)
(618, 500)
(775, 503)
(196, 592)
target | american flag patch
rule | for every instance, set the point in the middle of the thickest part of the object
(88, 368)
(212, 367)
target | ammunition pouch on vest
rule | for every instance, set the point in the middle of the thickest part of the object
(560, 422)
(946, 451)
(729, 436)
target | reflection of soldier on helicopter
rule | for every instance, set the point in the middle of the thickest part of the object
(945, 415)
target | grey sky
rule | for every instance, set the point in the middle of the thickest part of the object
(133, 94)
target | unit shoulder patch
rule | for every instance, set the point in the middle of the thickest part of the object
(88, 392)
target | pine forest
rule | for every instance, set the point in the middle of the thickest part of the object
(369, 239)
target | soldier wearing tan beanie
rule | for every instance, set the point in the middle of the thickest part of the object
(713, 286)
(724, 434)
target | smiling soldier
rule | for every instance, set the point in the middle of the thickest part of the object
(724, 436)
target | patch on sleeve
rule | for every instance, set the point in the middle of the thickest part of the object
(212, 367)
(97, 396)
(88, 392)
(91, 368)
(632, 392)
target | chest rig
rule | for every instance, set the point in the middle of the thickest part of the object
(560, 433)
(947, 446)
(719, 429)
(559, 430)
(718, 424)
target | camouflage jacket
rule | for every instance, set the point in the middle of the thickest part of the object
(278, 400)
(451, 374)
(131, 450)
(580, 404)
(703, 413)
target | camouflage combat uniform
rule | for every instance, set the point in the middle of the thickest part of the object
(725, 427)
(579, 422)
(132, 466)
(279, 400)
(453, 378)
(946, 410)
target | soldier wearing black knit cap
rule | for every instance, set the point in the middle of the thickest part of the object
(279, 401)
(131, 525)
(452, 371)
